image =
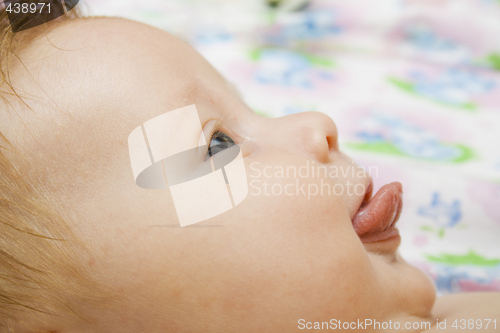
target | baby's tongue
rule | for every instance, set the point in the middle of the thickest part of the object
(381, 212)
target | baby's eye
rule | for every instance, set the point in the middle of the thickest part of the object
(219, 142)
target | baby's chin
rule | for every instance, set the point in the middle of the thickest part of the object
(420, 293)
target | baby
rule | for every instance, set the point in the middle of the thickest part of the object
(84, 249)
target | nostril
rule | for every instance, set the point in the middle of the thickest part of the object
(333, 143)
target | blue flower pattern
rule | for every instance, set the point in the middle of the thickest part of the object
(455, 86)
(428, 40)
(445, 215)
(409, 139)
(313, 24)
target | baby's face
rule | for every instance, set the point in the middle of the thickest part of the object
(259, 267)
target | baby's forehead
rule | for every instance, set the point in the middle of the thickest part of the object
(107, 70)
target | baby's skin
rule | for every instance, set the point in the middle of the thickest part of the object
(271, 262)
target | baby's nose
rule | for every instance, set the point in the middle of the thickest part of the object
(317, 135)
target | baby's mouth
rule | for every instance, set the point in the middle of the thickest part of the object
(376, 217)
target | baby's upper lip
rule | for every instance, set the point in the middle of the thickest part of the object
(365, 199)
(376, 216)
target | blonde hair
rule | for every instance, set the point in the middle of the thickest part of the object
(42, 266)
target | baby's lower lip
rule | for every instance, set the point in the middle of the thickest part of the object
(380, 236)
